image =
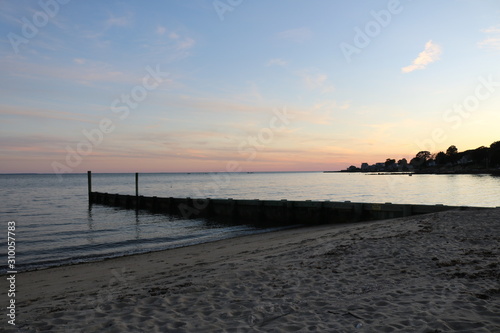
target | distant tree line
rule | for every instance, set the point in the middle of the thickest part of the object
(481, 158)
(452, 160)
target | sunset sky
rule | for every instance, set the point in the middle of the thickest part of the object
(243, 85)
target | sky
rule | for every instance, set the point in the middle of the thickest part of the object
(240, 85)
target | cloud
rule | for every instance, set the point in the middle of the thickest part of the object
(185, 44)
(40, 113)
(277, 62)
(490, 43)
(323, 113)
(296, 35)
(79, 61)
(429, 55)
(181, 43)
(121, 21)
(218, 105)
(87, 72)
(21, 146)
(170, 46)
(161, 30)
(492, 30)
(316, 81)
(313, 81)
(493, 41)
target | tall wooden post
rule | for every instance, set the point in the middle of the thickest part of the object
(136, 190)
(89, 180)
(136, 184)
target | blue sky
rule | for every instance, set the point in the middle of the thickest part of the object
(424, 76)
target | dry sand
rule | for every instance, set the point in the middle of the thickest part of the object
(429, 273)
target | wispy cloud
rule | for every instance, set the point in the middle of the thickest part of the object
(277, 62)
(79, 61)
(493, 40)
(315, 80)
(160, 30)
(120, 21)
(37, 113)
(217, 105)
(185, 44)
(322, 113)
(296, 35)
(171, 41)
(87, 72)
(39, 144)
(430, 54)
(492, 30)
(490, 43)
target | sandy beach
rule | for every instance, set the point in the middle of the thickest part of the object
(428, 273)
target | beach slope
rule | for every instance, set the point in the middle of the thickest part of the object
(430, 273)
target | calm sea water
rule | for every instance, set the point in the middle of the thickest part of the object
(54, 225)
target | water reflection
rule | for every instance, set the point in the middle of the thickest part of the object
(137, 226)
(90, 224)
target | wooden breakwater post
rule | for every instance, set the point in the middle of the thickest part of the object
(137, 191)
(89, 183)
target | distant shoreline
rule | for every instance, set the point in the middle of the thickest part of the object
(491, 172)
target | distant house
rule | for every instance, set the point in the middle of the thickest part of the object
(365, 167)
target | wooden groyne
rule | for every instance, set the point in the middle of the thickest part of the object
(264, 212)
(267, 212)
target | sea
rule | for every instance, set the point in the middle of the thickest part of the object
(54, 224)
